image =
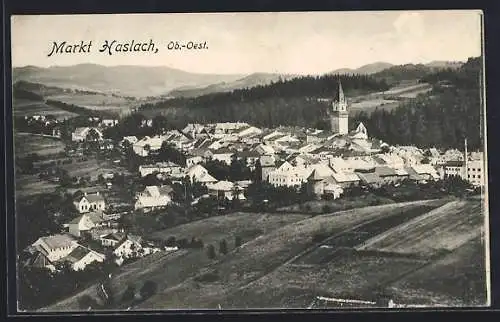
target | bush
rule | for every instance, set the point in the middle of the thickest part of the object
(326, 209)
(207, 278)
(223, 247)
(211, 252)
(237, 241)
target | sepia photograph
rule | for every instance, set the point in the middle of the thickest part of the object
(250, 161)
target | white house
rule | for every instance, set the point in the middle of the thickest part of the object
(85, 223)
(109, 122)
(81, 134)
(112, 239)
(248, 131)
(198, 173)
(130, 139)
(225, 189)
(81, 256)
(90, 202)
(168, 168)
(288, 175)
(223, 155)
(55, 247)
(153, 197)
(475, 172)
(147, 144)
(128, 247)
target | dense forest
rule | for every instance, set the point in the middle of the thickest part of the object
(291, 102)
(443, 118)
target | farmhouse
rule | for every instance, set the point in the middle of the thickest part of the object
(112, 239)
(82, 134)
(223, 155)
(225, 189)
(321, 182)
(55, 247)
(288, 175)
(129, 139)
(90, 202)
(147, 144)
(268, 165)
(83, 224)
(129, 247)
(198, 173)
(153, 197)
(81, 256)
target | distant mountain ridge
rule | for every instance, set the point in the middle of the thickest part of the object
(126, 80)
(162, 81)
(378, 67)
(364, 70)
(249, 81)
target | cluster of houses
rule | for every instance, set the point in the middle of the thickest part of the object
(88, 238)
(326, 161)
(288, 156)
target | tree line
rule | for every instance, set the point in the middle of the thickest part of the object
(443, 118)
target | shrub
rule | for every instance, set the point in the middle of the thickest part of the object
(211, 252)
(223, 247)
(207, 278)
(326, 209)
(237, 241)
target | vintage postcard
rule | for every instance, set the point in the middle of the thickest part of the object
(305, 160)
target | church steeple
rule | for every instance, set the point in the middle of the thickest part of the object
(339, 117)
(340, 93)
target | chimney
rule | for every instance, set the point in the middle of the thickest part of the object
(85, 193)
(97, 193)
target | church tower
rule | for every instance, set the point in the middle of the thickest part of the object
(339, 115)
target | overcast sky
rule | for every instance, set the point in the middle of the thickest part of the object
(301, 43)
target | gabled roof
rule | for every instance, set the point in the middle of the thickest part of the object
(384, 171)
(77, 254)
(221, 186)
(92, 197)
(267, 161)
(343, 176)
(57, 241)
(117, 236)
(369, 177)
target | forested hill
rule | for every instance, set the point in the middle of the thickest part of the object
(285, 102)
(441, 118)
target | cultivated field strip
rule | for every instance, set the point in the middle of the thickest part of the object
(266, 253)
(444, 228)
(169, 269)
(458, 279)
(246, 225)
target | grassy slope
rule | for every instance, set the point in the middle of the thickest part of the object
(447, 228)
(264, 254)
(171, 269)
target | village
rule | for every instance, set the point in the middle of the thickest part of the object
(217, 166)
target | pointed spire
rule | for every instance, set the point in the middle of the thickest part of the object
(340, 93)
